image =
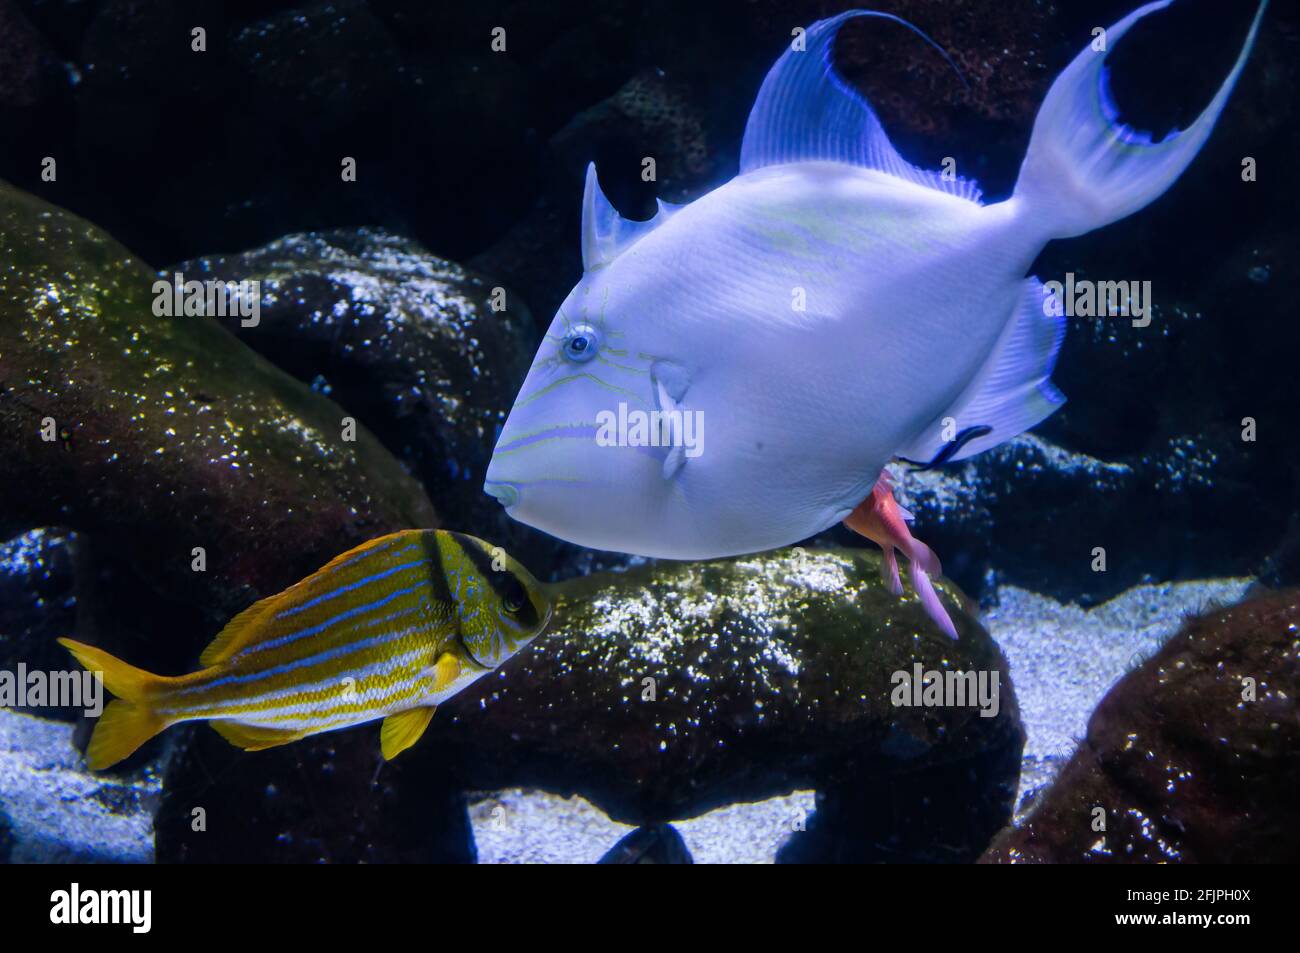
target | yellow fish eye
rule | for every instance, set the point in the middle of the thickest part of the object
(514, 598)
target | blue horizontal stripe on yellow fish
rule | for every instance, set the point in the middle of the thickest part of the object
(387, 630)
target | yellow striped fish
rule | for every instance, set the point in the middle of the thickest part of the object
(387, 630)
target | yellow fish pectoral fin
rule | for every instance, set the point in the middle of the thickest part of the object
(253, 737)
(445, 672)
(403, 729)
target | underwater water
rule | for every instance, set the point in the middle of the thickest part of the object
(283, 284)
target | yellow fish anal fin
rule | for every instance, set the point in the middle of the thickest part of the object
(403, 729)
(254, 738)
(254, 623)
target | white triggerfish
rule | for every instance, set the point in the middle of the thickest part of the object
(734, 374)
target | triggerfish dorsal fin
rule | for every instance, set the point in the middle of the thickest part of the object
(384, 555)
(605, 233)
(806, 112)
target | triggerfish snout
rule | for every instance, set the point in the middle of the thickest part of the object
(387, 630)
(734, 375)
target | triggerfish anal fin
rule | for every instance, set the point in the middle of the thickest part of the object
(1012, 392)
(253, 625)
(403, 729)
(949, 449)
(806, 112)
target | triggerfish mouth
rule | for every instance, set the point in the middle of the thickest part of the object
(387, 630)
(774, 344)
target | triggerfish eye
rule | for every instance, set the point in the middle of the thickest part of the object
(581, 344)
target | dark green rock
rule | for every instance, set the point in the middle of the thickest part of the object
(406, 341)
(771, 673)
(1185, 769)
(171, 434)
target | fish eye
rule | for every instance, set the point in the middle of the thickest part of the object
(581, 344)
(514, 597)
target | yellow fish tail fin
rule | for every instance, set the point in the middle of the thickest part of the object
(128, 723)
(122, 729)
(125, 681)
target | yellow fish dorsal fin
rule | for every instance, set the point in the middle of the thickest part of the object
(254, 738)
(252, 625)
(239, 632)
(403, 729)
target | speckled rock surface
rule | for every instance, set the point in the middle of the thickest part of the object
(58, 812)
(407, 342)
(1064, 658)
(169, 434)
(533, 827)
(769, 674)
(1185, 766)
(1169, 514)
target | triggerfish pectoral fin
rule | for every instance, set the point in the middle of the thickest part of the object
(880, 519)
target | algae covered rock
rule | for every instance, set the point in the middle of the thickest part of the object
(670, 689)
(426, 353)
(158, 436)
(1194, 757)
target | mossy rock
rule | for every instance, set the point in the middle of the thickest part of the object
(1193, 757)
(170, 433)
(674, 688)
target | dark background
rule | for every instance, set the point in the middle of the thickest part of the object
(479, 155)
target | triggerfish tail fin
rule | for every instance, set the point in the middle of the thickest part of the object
(128, 722)
(1085, 169)
(880, 519)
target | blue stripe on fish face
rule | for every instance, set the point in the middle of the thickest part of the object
(560, 432)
